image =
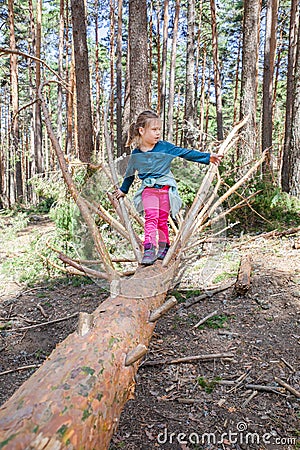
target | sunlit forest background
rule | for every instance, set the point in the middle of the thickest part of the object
(202, 65)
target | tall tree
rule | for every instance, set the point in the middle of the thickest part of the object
(163, 84)
(82, 73)
(16, 154)
(217, 78)
(32, 94)
(172, 72)
(38, 141)
(294, 150)
(251, 24)
(202, 98)
(70, 91)
(138, 54)
(119, 79)
(269, 61)
(158, 46)
(60, 70)
(190, 68)
(112, 65)
(286, 160)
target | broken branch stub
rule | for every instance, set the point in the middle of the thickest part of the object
(135, 354)
(165, 307)
(243, 281)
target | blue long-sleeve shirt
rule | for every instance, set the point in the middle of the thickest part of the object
(156, 163)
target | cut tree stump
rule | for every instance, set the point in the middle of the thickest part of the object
(74, 400)
(243, 281)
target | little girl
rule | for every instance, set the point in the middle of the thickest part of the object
(158, 194)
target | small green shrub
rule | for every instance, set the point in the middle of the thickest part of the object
(270, 207)
(215, 322)
(207, 385)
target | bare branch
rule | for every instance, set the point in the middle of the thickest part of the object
(81, 203)
(34, 58)
(84, 269)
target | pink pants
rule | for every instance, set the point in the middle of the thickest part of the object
(157, 208)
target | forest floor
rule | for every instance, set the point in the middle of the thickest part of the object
(184, 405)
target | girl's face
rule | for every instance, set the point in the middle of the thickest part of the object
(150, 135)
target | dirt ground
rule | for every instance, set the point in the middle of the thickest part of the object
(209, 404)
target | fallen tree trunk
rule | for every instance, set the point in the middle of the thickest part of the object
(74, 400)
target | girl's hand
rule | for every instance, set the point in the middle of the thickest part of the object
(119, 194)
(215, 159)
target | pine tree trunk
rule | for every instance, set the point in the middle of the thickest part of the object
(120, 148)
(138, 42)
(286, 163)
(236, 84)
(199, 48)
(190, 72)
(202, 137)
(217, 78)
(60, 71)
(172, 73)
(163, 84)
(157, 9)
(39, 166)
(150, 32)
(69, 96)
(14, 84)
(249, 149)
(294, 181)
(126, 108)
(269, 61)
(112, 65)
(83, 91)
(2, 162)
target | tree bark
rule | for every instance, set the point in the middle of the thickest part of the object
(83, 91)
(172, 73)
(249, 149)
(39, 164)
(138, 42)
(16, 153)
(60, 71)
(163, 83)
(158, 46)
(75, 398)
(70, 91)
(269, 61)
(112, 65)
(202, 137)
(120, 148)
(190, 72)
(217, 78)
(294, 180)
(286, 163)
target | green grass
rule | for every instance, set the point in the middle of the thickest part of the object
(207, 385)
(215, 322)
(181, 297)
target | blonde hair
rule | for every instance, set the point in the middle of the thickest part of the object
(143, 121)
